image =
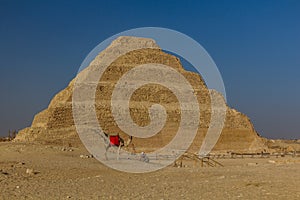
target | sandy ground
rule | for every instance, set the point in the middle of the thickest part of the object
(61, 174)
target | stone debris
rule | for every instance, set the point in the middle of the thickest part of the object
(67, 149)
(31, 171)
(86, 156)
(3, 172)
(252, 164)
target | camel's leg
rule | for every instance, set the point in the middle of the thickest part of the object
(106, 149)
(118, 153)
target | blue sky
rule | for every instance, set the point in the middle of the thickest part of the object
(255, 44)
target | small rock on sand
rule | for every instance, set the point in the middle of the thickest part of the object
(30, 171)
(86, 156)
(252, 164)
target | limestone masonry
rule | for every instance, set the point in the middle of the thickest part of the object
(56, 125)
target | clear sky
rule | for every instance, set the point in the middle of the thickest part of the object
(255, 44)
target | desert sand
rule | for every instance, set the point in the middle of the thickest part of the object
(39, 171)
(48, 161)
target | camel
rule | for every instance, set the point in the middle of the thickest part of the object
(115, 141)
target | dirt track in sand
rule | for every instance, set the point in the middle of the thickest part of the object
(64, 175)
